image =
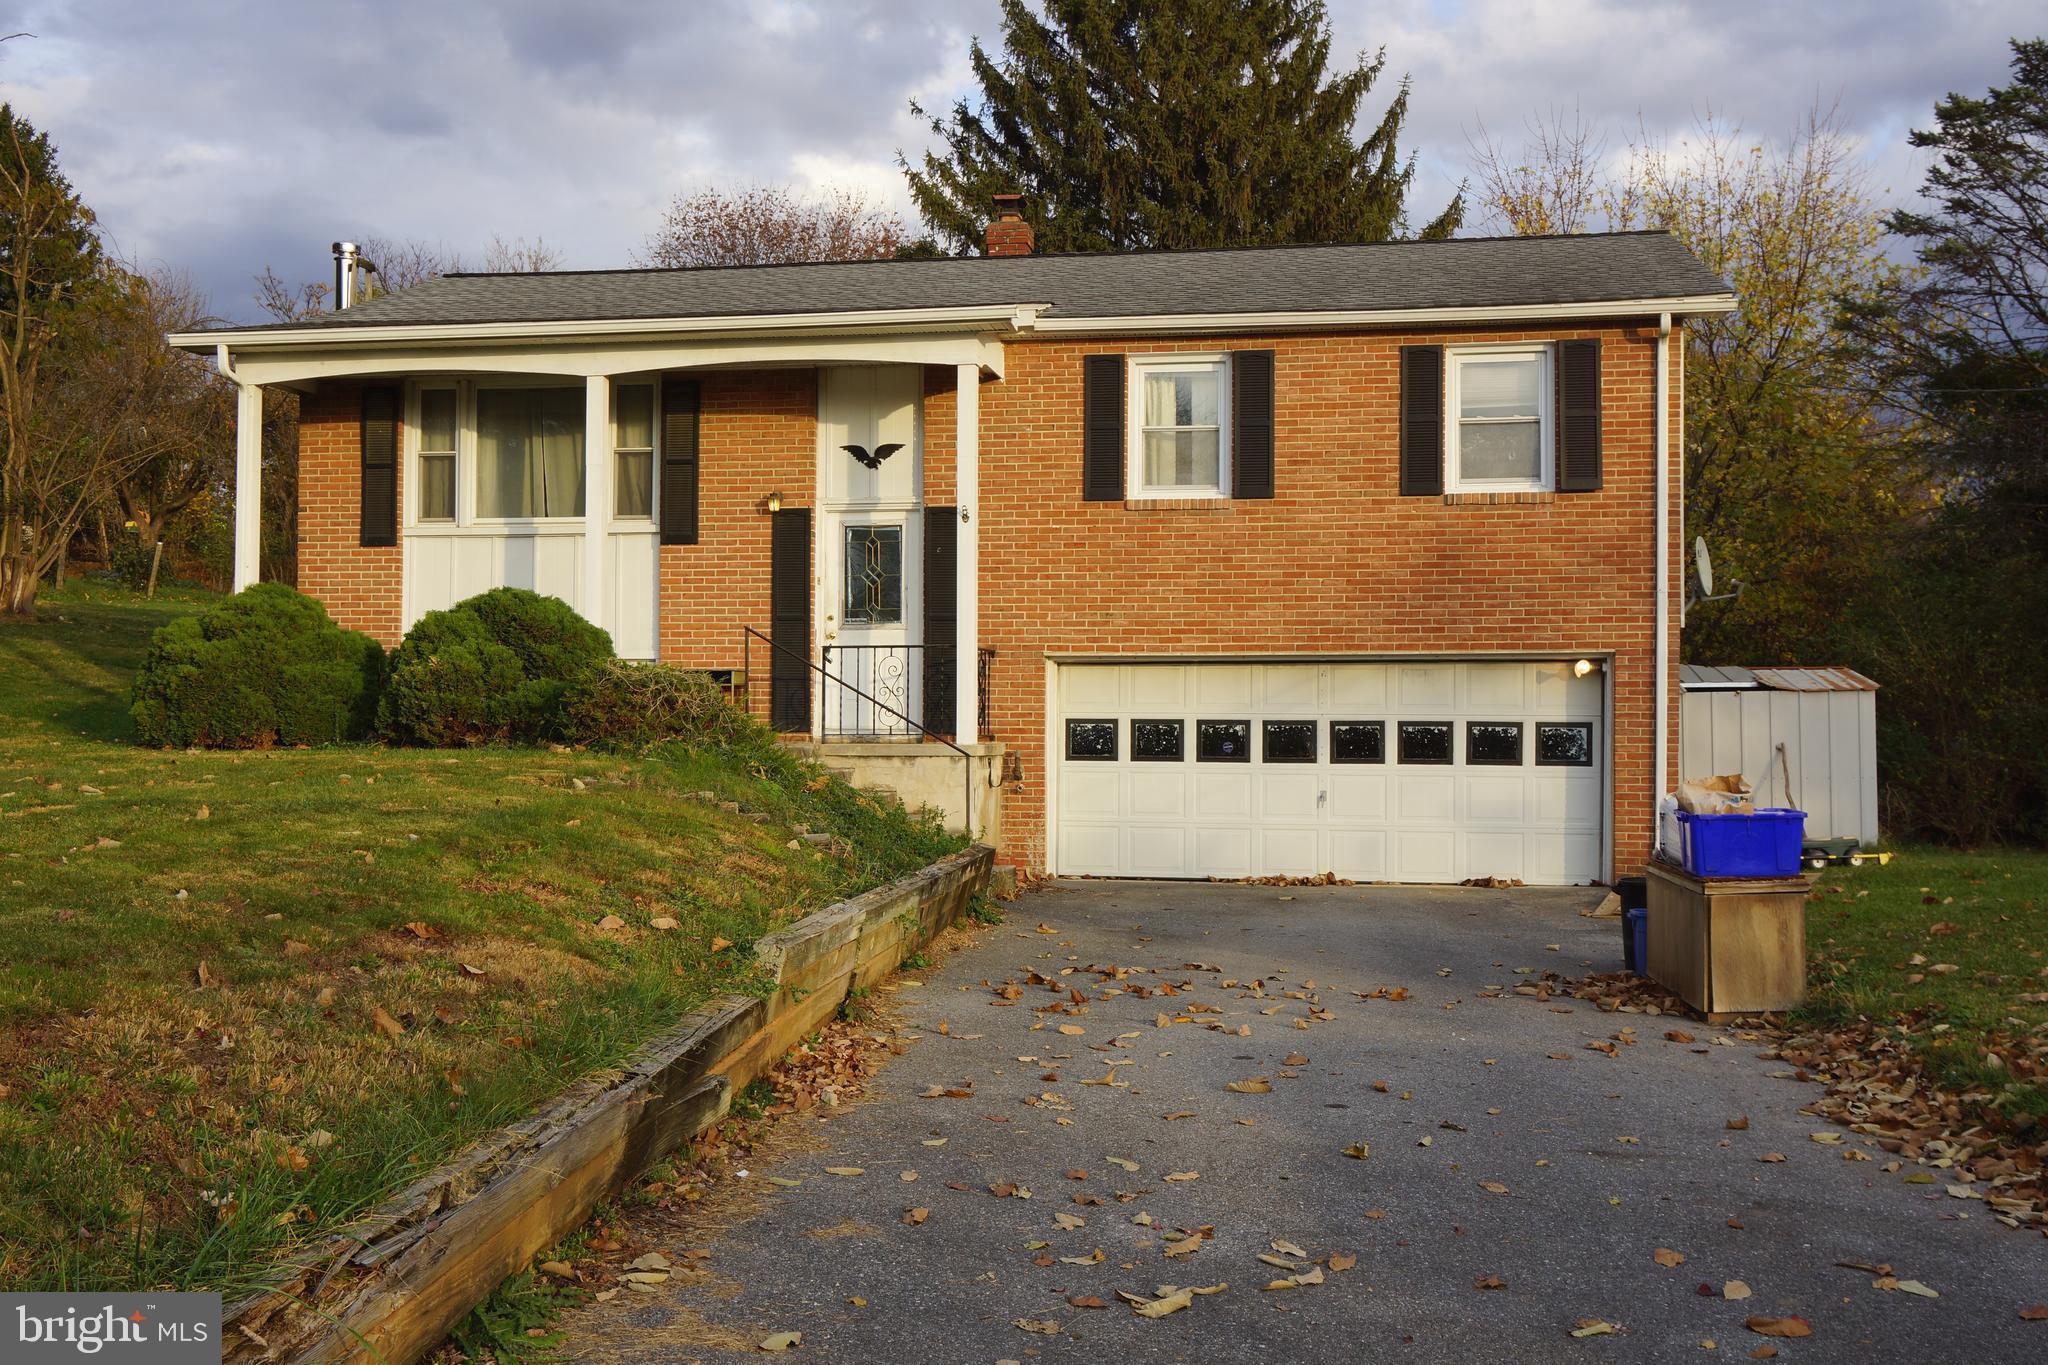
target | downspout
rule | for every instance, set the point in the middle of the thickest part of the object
(1663, 685)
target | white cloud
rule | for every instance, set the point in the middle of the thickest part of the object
(226, 136)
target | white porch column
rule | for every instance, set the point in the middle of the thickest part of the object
(248, 484)
(967, 559)
(597, 495)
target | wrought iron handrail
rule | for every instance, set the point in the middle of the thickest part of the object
(967, 760)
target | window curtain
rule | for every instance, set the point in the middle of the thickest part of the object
(529, 452)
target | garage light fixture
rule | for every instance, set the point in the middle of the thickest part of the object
(1585, 668)
(775, 502)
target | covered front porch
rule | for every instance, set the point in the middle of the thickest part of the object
(767, 501)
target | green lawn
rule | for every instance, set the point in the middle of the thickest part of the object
(243, 996)
(1957, 942)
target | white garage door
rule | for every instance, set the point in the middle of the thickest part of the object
(1414, 772)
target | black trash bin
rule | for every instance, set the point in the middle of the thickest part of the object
(1635, 923)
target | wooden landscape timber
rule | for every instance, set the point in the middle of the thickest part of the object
(394, 1286)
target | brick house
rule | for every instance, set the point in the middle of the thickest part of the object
(1358, 559)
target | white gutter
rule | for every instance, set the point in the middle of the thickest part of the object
(1386, 317)
(1663, 717)
(1007, 317)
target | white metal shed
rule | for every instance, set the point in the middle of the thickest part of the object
(1734, 720)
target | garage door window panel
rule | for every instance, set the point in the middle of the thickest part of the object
(1426, 742)
(1494, 743)
(1223, 741)
(1499, 402)
(1157, 741)
(1358, 741)
(1289, 741)
(1091, 741)
(1567, 745)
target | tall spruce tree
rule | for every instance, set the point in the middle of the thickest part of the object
(1171, 123)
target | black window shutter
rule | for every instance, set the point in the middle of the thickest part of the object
(1102, 428)
(379, 520)
(941, 626)
(789, 619)
(1578, 416)
(1251, 424)
(1422, 421)
(681, 404)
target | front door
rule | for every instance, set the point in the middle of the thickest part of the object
(873, 654)
(870, 548)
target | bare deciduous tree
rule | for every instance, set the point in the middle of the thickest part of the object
(1557, 182)
(520, 257)
(772, 225)
(190, 428)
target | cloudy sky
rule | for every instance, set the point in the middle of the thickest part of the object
(218, 136)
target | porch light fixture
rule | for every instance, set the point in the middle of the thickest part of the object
(1584, 668)
(775, 502)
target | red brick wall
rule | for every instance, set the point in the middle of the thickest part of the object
(759, 435)
(360, 587)
(1337, 561)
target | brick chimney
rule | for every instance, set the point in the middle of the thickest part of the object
(1008, 234)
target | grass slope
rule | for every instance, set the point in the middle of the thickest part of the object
(1957, 943)
(243, 996)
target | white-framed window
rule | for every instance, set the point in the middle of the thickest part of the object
(1179, 407)
(529, 452)
(1498, 404)
(633, 450)
(438, 431)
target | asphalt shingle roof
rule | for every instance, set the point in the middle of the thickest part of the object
(1461, 272)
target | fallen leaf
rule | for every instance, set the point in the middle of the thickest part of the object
(1170, 1303)
(1668, 1258)
(561, 1270)
(719, 945)
(1072, 1030)
(1490, 1282)
(1493, 1187)
(2034, 1312)
(1772, 1157)
(1735, 1289)
(845, 1170)
(1916, 1287)
(611, 922)
(1085, 1301)
(782, 1341)
(662, 922)
(1780, 1327)
(1253, 1085)
(1042, 1326)
(1593, 1327)
(1122, 1161)
(384, 1023)
(1739, 1125)
(1184, 1175)
(1359, 1150)
(1342, 1260)
(1678, 1036)
(913, 1217)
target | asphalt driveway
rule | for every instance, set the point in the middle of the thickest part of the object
(1527, 1168)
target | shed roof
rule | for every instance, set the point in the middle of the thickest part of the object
(1733, 678)
(1466, 272)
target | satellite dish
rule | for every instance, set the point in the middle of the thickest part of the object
(1703, 576)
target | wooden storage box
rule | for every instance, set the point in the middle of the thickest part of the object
(1728, 946)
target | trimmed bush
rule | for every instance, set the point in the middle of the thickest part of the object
(622, 705)
(493, 667)
(267, 666)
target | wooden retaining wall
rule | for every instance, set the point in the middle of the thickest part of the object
(396, 1286)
